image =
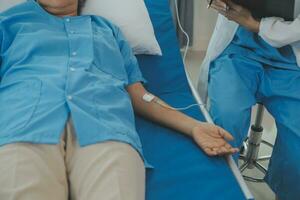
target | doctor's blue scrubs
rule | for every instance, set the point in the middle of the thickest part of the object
(251, 71)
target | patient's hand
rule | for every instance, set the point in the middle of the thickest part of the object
(213, 139)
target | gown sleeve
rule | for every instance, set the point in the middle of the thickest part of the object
(131, 64)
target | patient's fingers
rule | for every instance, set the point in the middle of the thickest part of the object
(225, 134)
(223, 151)
(226, 149)
(216, 149)
(231, 149)
(210, 152)
(228, 146)
(220, 151)
(235, 150)
(212, 140)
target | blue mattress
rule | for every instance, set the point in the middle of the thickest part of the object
(181, 170)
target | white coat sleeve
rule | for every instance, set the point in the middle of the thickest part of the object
(279, 33)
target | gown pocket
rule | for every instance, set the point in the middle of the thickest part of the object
(18, 102)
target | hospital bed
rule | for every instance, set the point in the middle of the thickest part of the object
(181, 170)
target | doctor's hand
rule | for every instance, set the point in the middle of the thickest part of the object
(213, 140)
(236, 13)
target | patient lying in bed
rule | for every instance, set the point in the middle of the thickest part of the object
(57, 67)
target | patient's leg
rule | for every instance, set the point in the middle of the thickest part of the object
(232, 87)
(32, 172)
(107, 170)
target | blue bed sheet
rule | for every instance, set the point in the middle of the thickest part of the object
(182, 171)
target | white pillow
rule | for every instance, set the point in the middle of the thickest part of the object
(6, 4)
(133, 19)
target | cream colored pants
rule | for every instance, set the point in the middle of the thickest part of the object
(104, 171)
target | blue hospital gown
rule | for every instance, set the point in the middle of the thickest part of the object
(53, 68)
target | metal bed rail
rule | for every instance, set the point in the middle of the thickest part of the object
(231, 163)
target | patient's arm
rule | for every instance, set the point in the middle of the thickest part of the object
(211, 139)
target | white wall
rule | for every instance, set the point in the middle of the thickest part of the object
(204, 24)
